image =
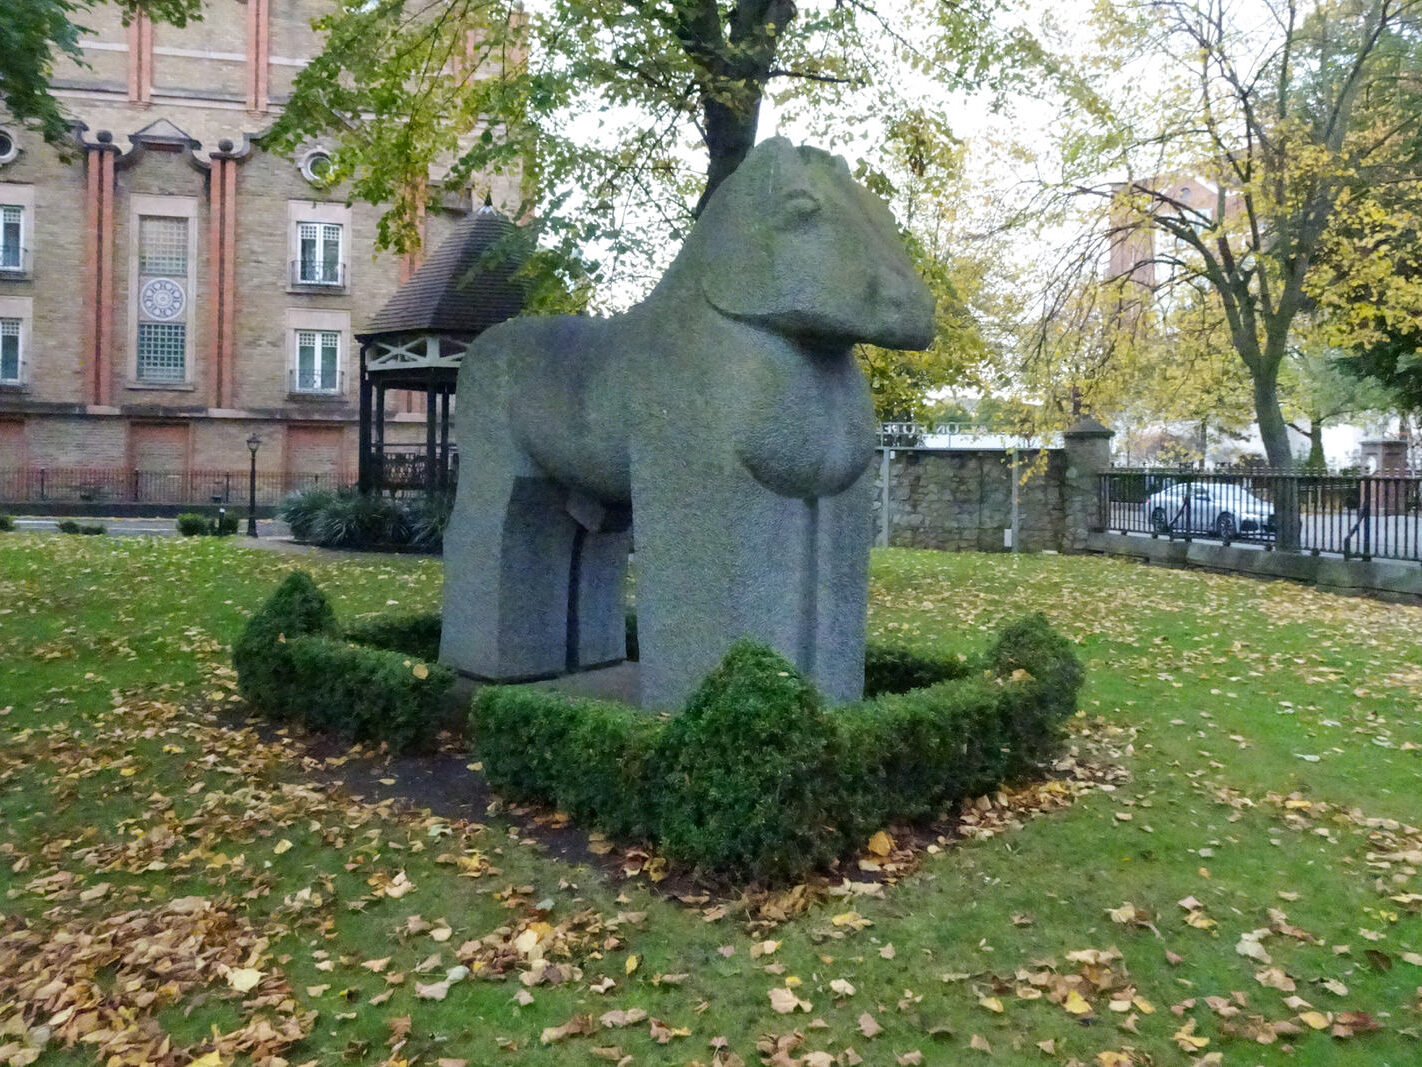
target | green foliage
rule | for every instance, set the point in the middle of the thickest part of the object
(301, 510)
(34, 34)
(264, 672)
(589, 757)
(292, 665)
(347, 518)
(745, 773)
(1044, 676)
(756, 781)
(427, 517)
(414, 635)
(194, 524)
(67, 526)
(911, 755)
(360, 520)
(93, 529)
(894, 669)
(6, 523)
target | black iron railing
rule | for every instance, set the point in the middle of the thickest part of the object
(407, 468)
(1368, 516)
(115, 485)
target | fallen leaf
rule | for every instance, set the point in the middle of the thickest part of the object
(881, 844)
(785, 1001)
(869, 1026)
(243, 979)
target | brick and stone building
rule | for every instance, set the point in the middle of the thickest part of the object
(168, 288)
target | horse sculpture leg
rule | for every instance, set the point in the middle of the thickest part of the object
(722, 558)
(509, 549)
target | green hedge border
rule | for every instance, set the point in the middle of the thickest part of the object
(294, 663)
(754, 780)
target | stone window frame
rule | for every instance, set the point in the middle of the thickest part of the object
(318, 212)
(187, 207)
(314, 320)
(16, 195)
(319, 239)
(318, 344)
(21, 309)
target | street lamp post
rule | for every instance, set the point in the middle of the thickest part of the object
(253, 443)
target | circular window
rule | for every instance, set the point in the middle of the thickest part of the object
(316, 166)
(9, 149)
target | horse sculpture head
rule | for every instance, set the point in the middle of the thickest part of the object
(793, 243)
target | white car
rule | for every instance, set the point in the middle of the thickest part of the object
(1226, 510)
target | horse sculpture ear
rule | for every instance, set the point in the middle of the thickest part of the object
(765, 196)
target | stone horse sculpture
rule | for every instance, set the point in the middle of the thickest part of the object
(725, 416)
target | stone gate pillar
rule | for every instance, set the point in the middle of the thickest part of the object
(1088, 454)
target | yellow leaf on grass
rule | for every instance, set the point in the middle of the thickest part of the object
(1187, 1039)
(1076, 1003)
(784, 1001)
(243, 979)
(991, 1003)
(881, 844)
(631, 965)
(211, 1059)
(419, 670)
(1315, 1019)
(281, 847)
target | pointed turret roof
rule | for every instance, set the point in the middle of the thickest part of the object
(451, 292)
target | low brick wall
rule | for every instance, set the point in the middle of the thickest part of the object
(1384, 579)
(961, 500)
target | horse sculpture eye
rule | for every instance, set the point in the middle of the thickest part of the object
(801, 205)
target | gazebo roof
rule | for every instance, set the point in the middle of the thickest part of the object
(449, 293)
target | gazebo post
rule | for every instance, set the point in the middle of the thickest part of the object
(431, 456)
(364, 472)
(377, 456)
(444, 485)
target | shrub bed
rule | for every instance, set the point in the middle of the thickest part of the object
(195, 524)
(756, 780)
(293, 664)
(69, 526)
(347, 518)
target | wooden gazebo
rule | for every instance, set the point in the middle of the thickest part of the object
(418, 340)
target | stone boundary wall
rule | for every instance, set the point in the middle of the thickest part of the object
(961, 499)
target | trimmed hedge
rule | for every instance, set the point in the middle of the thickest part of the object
(756, 780)
(6, 523)
(195, 524)
(415, 635)
(588, 757)
(292, 664)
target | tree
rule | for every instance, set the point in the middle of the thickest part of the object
(34, 33)
(1278, 119)
(623, 116)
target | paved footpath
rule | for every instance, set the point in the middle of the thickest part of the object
(133, 527)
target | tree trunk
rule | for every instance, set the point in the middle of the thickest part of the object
(1316, 460)
(1275, 432)
(730, 134)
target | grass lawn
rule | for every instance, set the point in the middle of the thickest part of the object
(176, 888)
